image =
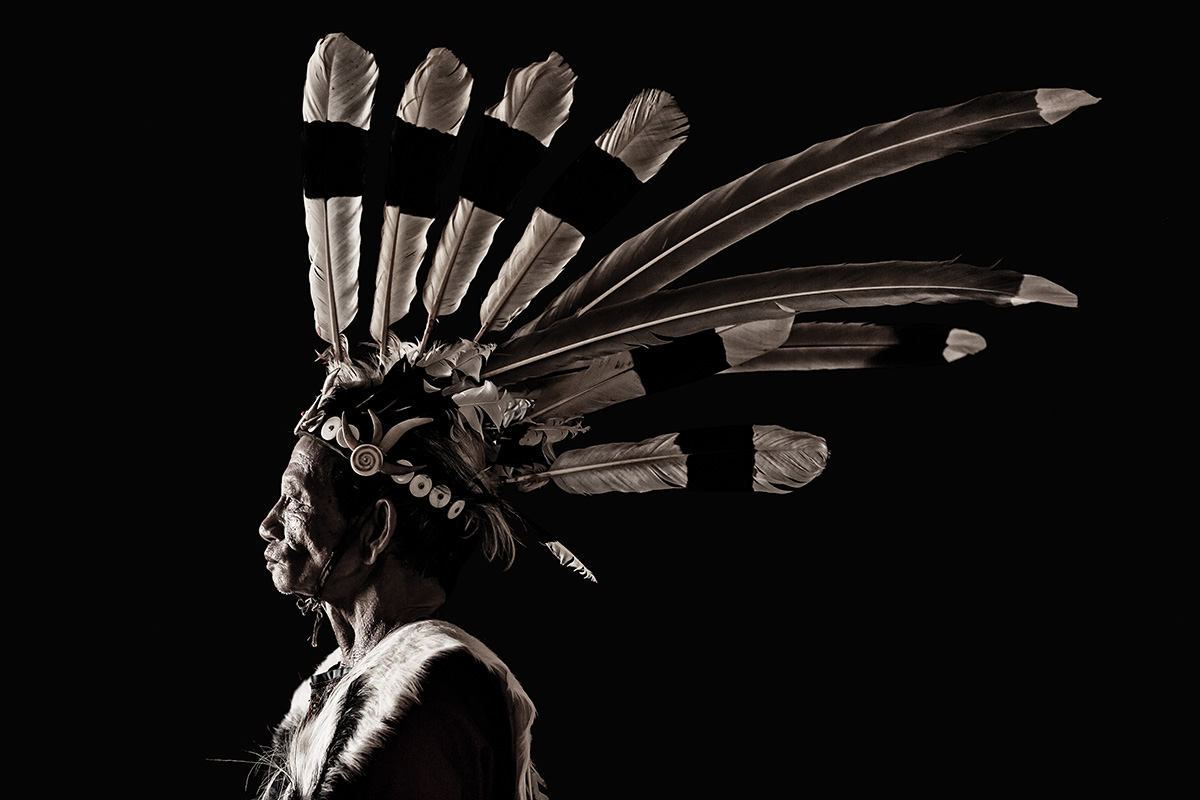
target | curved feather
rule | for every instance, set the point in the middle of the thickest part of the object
(671, 247)
(769, 459)
(649, 130)
(435, 98)
(767, 295)
(536, 101)
(339, 89)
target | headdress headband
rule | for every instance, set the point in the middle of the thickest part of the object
(623, 328)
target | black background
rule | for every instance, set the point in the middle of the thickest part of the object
(932, 613)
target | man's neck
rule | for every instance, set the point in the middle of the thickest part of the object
(379, 608)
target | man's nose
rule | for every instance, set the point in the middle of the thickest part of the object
(270, 528)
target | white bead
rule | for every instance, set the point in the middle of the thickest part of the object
(406, 477)
(439, 497)
(421, 485)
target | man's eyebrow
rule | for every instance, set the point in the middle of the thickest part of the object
(291, 483)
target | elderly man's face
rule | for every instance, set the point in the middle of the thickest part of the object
(304, 526)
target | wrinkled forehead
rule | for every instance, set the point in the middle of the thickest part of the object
(310, 466)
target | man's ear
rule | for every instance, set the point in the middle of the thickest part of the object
(378, 532)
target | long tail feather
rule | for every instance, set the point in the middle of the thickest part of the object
(613, 379)
(761, 458)
(511, 141)
(583, 199)
(847, 345)
(768, 295)
(431, 110)
(338, 92)
(677, 243)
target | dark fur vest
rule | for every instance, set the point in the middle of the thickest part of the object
(309, 758)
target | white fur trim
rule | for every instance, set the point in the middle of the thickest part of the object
(394, 669)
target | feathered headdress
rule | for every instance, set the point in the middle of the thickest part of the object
(625, 327)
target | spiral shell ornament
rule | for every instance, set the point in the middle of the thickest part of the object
(371, 457)
(366, 459)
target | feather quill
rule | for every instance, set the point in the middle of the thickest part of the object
(435, 99)
(339, 90)
(761, 458)
(536, 103)
(650, 129)
(768, 295)
(671, 247)
(846, 345)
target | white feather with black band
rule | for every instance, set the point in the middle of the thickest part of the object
(339, 90)
(846, 345)
(630, 374)
(428, 118)
(585, 197)
(768, 295)
(761, 458)
(511, 140)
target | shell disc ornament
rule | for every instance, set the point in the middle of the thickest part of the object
(439, 496)
(421, 485)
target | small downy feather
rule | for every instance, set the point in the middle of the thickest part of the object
(760, 458)
(650, 129)
(339, 89)
(767, 295)
(671, 247)
(848, 345)
(435, 100)
(536, 103)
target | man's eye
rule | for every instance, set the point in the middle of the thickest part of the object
(292, 503)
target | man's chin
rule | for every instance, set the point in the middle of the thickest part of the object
(285, 582)
(280, 577)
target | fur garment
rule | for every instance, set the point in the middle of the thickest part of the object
(309, 759)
